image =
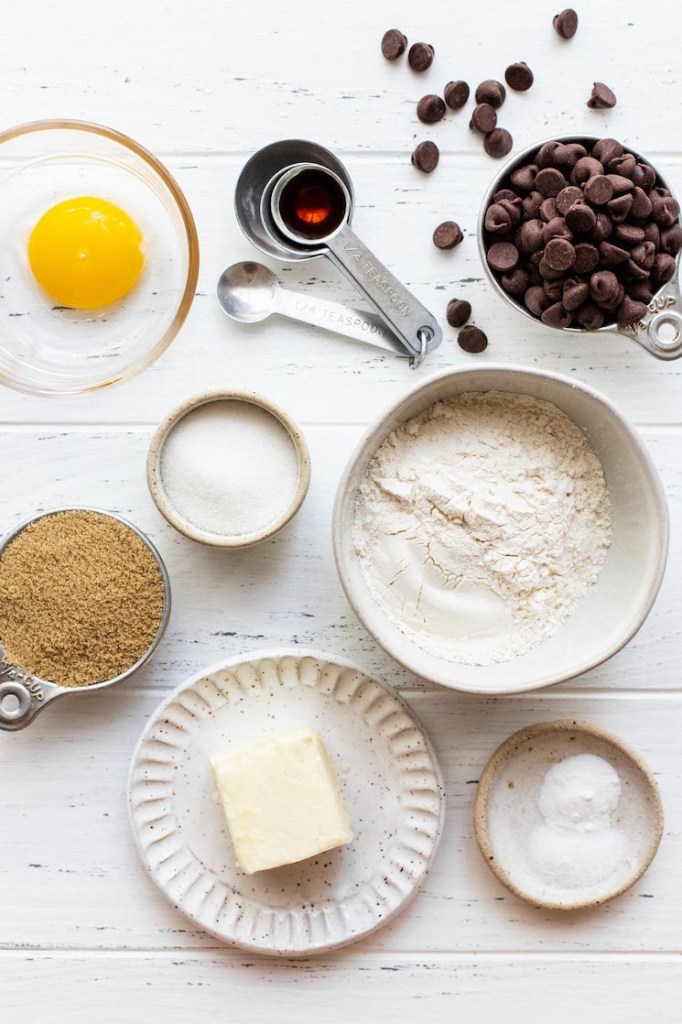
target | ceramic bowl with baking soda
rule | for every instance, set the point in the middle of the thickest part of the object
(501, 529)
(567, 816)
(100, 257)
(228, 468)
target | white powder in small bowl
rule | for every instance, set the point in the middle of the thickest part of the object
(229, 468)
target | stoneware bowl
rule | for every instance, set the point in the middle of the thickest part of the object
(190, 530)
(507, 817)
(615, 607)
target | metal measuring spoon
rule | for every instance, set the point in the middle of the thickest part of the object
(258, 192)
(249, 292)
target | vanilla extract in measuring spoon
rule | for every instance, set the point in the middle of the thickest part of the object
(313, 204)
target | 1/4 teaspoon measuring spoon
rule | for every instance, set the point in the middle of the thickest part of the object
(249, 292)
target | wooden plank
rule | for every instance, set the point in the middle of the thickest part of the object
(72, 878)
(287, 590)
(385, 990)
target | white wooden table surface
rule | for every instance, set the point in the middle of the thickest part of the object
(84, 936)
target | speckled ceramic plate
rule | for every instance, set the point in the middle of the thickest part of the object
(390, 780)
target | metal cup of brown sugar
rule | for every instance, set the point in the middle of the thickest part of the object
(84, 602)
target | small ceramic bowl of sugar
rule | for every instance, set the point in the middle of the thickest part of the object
(228, 468)
(567, 816)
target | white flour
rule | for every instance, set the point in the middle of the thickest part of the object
(481, 523)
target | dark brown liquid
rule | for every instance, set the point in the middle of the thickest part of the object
(312, 204)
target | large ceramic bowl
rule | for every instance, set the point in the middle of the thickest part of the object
(615, 607)
(47, 348)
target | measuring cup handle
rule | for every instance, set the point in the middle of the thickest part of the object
(416, 328)
(660, 330)
(27, 695)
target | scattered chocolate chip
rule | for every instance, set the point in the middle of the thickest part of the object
(556, 316)
(431, 108)
(484, 118)
(425, 157)
(589, 316)
(586, 258)
(516, 282)
(420, 56)
(447, 235)
(503, 256)
(602, 98)
(472, 339)
(559, 254)
(566, 198)
(458, 312)
(456, 94)
(491, 92)
(598, 189)
(630, 311)
(393, 44)
(519, 76)
(498, 142)
(566, 23)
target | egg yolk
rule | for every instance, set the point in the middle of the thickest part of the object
(86, 252)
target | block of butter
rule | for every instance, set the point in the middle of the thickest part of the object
(281, 799)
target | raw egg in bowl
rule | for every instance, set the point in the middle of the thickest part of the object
(100, 261)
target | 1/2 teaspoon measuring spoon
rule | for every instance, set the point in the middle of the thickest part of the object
(249, 292)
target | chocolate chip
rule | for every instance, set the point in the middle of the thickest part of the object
(554, 289)
(516, 283)
(601, 98)
(612, 255)
(535, 300)
(484, 118)
(498, 142)
(589, 316)
(393, 44)
(624, 164)
(640, 290)
(603, 286)
(574, 293)
(665, 208)
(559, 255)
(531, 238)
(671, 239)
(602, 228)
(431, 108)
(581, 218)
(598, 189)
(550, 181)
(513, 208)
(425, 157)
(628, 234)
(507, 193)
(458, 312)
(548, 209)
(663, 268)
(587, 167)
(456, 94)
(570, 153)
(620, 184)
(620, 207)
(498, 220)
(586, 258)
(641, 204)
(645, 176)
(556, 228)
(547, 154)
(634, 272)
(447, 235)
(523, 178)
(472, 339)
(503, 256)
(420, 56)
(556, 316)
(643, 255)
(491, 92)
(606, 149)
(566, 198)
(630, 311)
(652, 233)
(566, 23)
(532, 204)
(519, 76)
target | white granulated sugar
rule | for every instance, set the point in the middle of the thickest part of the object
(577, 846)
(229, 468)
(481, 523)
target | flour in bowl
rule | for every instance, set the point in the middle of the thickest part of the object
(481, 523)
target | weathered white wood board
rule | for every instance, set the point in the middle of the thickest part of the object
(83, 934)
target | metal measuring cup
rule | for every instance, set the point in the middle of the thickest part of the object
(258, 195)
(660, 331)
(31, 694)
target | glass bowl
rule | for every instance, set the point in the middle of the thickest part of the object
(48, 349)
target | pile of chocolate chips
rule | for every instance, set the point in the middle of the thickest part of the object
(583, 234)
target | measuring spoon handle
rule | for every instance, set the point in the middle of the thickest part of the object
(398, 307)
(334, 316)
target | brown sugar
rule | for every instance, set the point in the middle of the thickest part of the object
(81, 598)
